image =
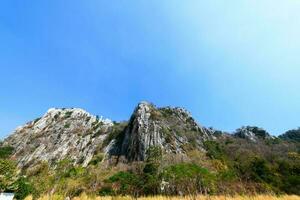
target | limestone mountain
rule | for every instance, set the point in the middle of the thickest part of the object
(69, 151)
(172, 129)
(60, 133)
(76, 135)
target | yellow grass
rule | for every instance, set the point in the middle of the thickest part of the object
(258, 197)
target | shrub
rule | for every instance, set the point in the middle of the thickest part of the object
(214, 150)
(126, 183)
(106, 191)
(260, 170)
(151, 171)
(8, 175)
(6, 152)
(24, 188)
(189, 179)
(97, 159)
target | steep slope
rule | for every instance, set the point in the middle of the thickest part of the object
(172, 129)
(59, 134)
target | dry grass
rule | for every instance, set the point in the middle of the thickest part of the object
(258, 197)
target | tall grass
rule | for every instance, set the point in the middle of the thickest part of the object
(222, 197)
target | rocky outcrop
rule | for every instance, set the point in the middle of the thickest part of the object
(172, 129)
(59, 134)
(77, 135)
(252, 133)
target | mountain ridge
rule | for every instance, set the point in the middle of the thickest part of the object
(76, 134)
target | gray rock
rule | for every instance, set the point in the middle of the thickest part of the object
(172, 129)
(61, 133)
(76, 135)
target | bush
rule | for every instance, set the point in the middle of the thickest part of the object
(189, 179)
(97, 159)
(214, 150)
(41, 179)
(8, 175)
(106, 191)
(126, 183)
(24, 188)
(260, 170)
(6, 152)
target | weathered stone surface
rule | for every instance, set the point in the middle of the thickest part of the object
(59, 134)
(172, 129)
(252, 133)
(77, 135)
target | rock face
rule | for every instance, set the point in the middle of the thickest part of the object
(78, 136)
(252, 133)
(59, 134)
(172, 129)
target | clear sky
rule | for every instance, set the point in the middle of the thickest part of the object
(229, 62)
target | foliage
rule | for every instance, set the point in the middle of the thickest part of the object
(292, 135)
(214, 150)
(228, 166)
(8, 175)
(151, 171)
(6, 152)
(24, 188)
(126, 183)
(160, 197)
(97, 159)
(189, 179)
(41, 179)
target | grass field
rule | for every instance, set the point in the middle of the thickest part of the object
(258, 197)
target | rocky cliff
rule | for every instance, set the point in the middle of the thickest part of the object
(76, 135)
(60, 133)
(172, 129)
(252, 133)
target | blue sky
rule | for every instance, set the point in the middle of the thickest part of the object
(230, 63)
